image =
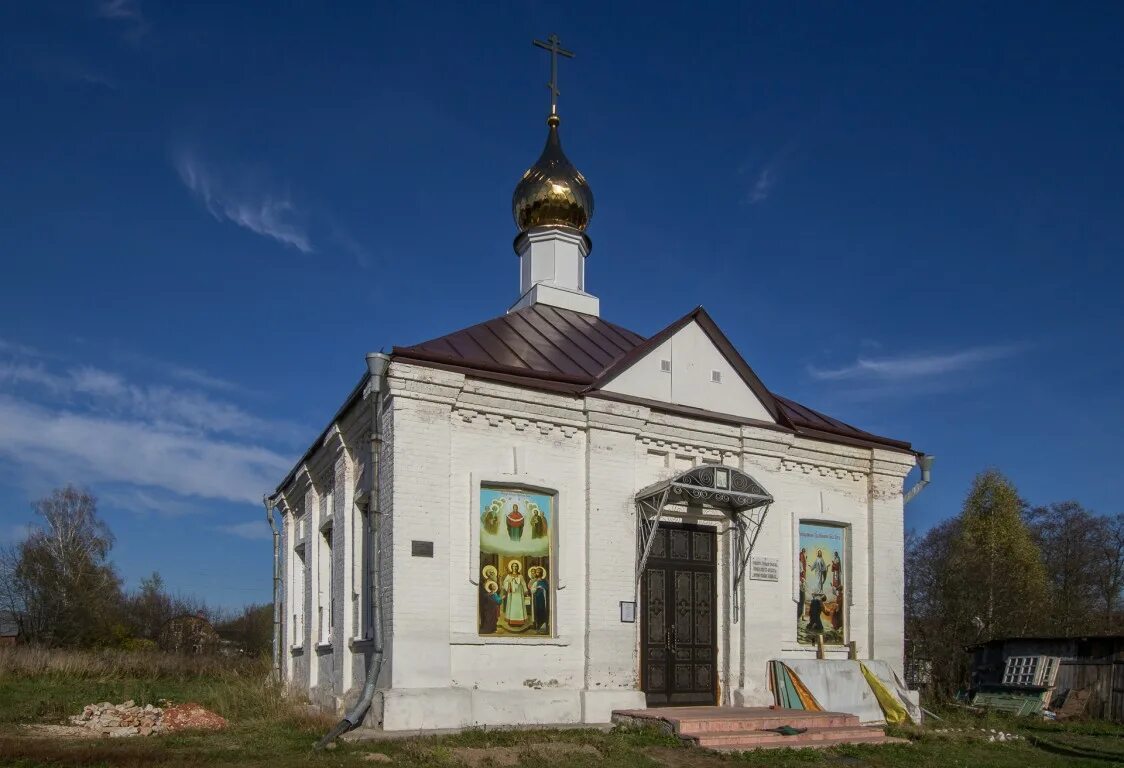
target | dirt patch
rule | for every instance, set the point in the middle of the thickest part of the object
(179, 717)
(684, 757)
(58, 732)
(505, 757)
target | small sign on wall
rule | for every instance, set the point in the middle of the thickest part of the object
(628, 612)
(764, 569)
(421, 548)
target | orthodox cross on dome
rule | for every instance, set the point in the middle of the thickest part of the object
(554, 45)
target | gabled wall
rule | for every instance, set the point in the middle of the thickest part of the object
(693, 358)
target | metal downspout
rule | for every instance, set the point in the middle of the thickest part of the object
(377, 363)
(925, 462)
(276, 588)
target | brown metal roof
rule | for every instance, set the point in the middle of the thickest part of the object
(566, 351)
(537, 342)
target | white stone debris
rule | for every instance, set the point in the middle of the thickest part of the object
(117, 720)
(992, 734)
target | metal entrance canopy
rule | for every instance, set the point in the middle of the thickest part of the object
(714, 486)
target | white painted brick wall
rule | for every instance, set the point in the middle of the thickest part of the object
(444, 435)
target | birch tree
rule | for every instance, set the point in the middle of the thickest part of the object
(998, 580)
(71, 593)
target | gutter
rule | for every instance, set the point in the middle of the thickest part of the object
(377, 364)
(925, 462)
(269, 504)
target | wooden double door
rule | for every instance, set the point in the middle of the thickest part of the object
(678, 617)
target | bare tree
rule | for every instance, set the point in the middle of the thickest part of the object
(12, 594)
(1109, 577)
(71, 593)
(149, 608)
(1072, 542)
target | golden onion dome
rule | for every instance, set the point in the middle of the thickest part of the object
(552, 192)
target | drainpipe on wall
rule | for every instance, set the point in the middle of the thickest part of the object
(925, 462)
(377, 363)
(276, 588)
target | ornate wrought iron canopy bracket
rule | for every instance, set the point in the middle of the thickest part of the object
(713, 486)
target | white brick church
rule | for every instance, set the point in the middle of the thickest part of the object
(545, 517)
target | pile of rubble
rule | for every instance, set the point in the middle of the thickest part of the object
(130, 719)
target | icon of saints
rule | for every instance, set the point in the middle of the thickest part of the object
(538, 524)
(515, 523)
(540, 598)
(513, 590)
(491, 521)
(489, 600)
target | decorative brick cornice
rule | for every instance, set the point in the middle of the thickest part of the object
(709, 452)
(807, 468)
(497, 420)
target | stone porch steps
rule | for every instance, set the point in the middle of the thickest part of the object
(732, 729)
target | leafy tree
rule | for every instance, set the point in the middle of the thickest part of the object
(973, 578)
(252, 630)
(997, 578)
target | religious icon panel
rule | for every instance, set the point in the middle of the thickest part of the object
(516, 548)
(821, 606)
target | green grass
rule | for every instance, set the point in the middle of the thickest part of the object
(266, 731)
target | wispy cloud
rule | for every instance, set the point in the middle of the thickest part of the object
(916, 366)
(243, 202)
(15, 372)
(145, 501)
(200, 378)
(110, 393)
(15, 348)
(182, 373)
(766, 174)
(119, 9)
(253, 530)
(762, 187)
(126, 12)
(161, 447)
(361, 254)
(70, 69)
(92, 448)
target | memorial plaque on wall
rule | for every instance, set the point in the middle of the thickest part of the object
(764, 569)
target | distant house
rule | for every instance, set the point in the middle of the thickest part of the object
(1091, 663)
(189, 634)
(9, 628)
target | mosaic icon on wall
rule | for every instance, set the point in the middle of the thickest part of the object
(516, 543)
(821, 606)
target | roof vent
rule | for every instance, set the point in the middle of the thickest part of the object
(665, 366)
(716, 377)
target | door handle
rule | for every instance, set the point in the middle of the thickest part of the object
(674, 638)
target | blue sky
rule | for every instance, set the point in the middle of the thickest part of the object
(906, 215)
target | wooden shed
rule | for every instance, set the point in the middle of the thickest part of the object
(9, 628)
(1091, 663)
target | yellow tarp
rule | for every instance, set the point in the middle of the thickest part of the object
(891, 707)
